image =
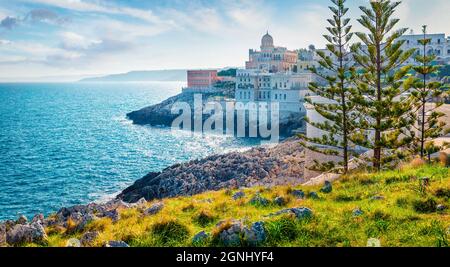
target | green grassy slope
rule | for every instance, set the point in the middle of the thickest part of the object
(404, 216)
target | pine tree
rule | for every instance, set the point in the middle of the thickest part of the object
(336, 103)
(380, 84)
(424, 91)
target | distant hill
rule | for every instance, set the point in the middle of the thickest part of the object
(138, 76)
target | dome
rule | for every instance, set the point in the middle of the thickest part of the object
(267, 40)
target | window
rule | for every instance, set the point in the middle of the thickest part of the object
(284, 96)
(240, 95)
(276, 96)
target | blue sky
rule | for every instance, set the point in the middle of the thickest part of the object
(79, 37)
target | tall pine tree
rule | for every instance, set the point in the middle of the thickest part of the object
(425, 90)
(335, 104)
(380, 83)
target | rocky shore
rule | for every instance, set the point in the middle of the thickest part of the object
(161, 115)
(261, 166)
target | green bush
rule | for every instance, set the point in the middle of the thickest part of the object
(169, 232)
(424, 206)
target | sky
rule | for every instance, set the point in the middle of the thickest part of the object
(49, 38)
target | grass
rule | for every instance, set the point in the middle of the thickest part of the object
(406, 216)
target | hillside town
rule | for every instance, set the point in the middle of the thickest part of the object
(275, 74)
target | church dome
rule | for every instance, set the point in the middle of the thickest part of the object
(267, 40)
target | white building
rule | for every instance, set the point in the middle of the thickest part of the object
(439, 46)
(286, 89)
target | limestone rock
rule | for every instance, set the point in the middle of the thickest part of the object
(357, 212)
(154, 209)
(298, 194)
(25, 234)
(258, 200)
(231, 236)
(280, 201)
(22, 220)
(116, 244)
(238, 195)
(2, 234)
(256, 235)
(88, 238)
(327, 187)
(38, 218)
(73, 243)
(200, 237)
(441, 207)
(300, 213)
(313, 195)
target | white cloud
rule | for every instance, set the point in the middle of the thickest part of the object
(74, 41)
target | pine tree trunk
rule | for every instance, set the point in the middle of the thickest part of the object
(377, 147)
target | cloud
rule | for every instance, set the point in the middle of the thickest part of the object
(9, 23)
(46, 15)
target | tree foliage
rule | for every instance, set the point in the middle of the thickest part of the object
(335, 97)
(385, 112)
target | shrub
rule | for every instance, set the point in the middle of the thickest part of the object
(444, 159)
(442, 192)
(346, 198)
(397, 179)
(169, 232)
(402, 202)
(282, 229)
(424, 206)
(417, 162)
(189, 207)
(380, 215)
(204, 218)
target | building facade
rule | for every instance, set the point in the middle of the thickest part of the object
(286, 89)
(271, 58)
(201, 78)
(439, 46)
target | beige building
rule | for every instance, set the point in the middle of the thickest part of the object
(271, 58)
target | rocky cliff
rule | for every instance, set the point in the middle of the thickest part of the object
(161, 115)
(266, 166)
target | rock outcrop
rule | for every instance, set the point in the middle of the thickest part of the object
(161, 114)
(263, 166)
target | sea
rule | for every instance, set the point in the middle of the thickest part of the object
(64, 144)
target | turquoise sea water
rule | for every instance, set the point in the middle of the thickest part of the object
(70, 143)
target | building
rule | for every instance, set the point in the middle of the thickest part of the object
(285, 88)
(199, 79)
(439, 46)
(271, 58)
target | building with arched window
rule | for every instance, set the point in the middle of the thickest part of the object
(271, 58)
(439, 46)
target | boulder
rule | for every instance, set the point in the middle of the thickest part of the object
(231, 236)
(377, 198)
(357, 212)
(298, 194)
(238, 195)
(116, 244)
(327, 187)
(25, 234)
(256, 235)
(154, 209)
(22, 220)
(88, 238)
(85, 220)
(280, 201)
(300, 213)
(441, 207)
(38, 218)
(259, 200)
(73, 243)
(200, 237)
(313, 195)
(112, 214)
(2, 234)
